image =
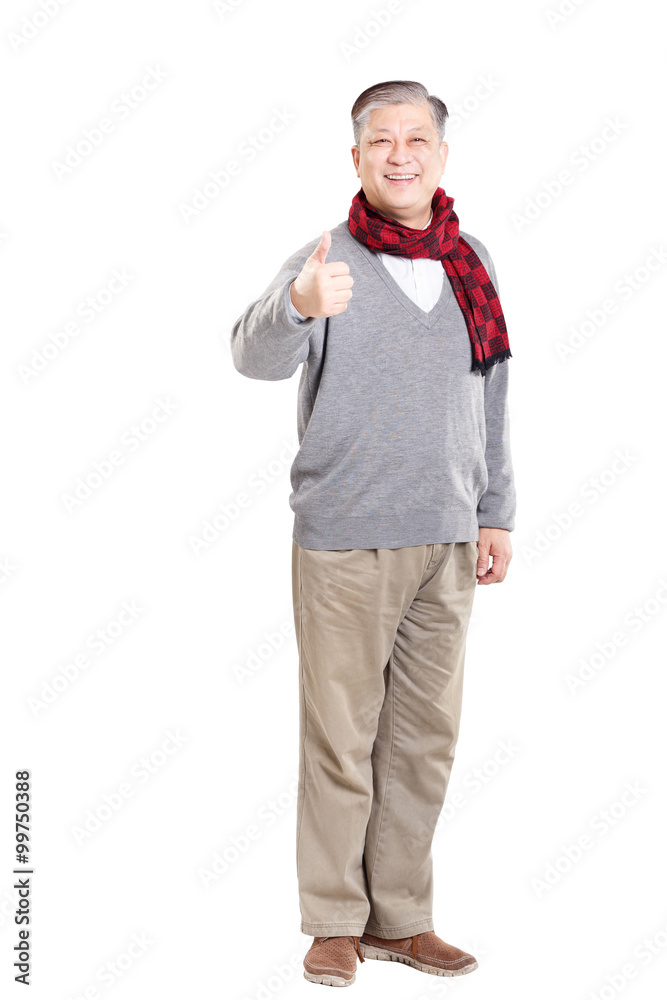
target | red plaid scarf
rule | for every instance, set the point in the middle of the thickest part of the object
(470, 281)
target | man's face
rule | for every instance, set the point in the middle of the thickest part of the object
(400, 139)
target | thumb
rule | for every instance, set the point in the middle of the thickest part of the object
(319, 254)
(482, 561)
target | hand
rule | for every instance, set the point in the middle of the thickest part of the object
(322, 289)
(494, 542)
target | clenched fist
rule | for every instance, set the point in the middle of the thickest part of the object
(322, 289)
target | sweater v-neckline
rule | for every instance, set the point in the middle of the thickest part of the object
(428, 319)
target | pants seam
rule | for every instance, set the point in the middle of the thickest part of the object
(333, 923)
(389, 767)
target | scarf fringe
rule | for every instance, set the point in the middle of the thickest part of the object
(483, 366)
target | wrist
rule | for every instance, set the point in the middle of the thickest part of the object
(297, 301)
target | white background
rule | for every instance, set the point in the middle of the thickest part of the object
(527, 95)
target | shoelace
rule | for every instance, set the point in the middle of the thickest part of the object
(355, 941)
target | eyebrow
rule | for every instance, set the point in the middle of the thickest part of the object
(417, 128)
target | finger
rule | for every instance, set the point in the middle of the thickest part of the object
(342, 281)
(497, 572)
(319, 254)
(336, 267)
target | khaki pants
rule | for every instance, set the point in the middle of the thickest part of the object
(381, 638)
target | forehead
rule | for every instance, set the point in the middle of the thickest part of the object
(400, 118)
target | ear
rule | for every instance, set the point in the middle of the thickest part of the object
(444, 151)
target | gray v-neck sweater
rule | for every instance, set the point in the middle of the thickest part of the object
(400, 443)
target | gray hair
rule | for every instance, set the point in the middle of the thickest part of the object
(396, 92)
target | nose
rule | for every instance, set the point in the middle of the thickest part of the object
(400, 153)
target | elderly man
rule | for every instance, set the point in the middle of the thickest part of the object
(403, 495)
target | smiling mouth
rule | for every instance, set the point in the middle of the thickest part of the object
(400, 179)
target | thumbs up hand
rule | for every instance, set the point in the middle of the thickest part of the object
(322, 289)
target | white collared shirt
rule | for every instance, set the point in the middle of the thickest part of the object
(420, 279)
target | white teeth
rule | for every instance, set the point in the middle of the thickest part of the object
(400, 177)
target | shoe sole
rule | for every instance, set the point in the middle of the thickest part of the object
(328, 980)
(369, 951)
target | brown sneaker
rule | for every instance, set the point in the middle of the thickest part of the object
(426, 952)
(332, 961)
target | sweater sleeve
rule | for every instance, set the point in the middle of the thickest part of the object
(267, 341)
(293, 311)
(497, 505)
